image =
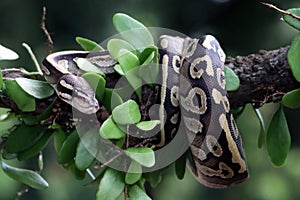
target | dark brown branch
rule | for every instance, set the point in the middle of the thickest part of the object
(281, 11)
(44, 29)
(264, 76)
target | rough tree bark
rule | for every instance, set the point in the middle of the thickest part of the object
(264, 77)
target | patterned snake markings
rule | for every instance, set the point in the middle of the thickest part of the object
(192, 94)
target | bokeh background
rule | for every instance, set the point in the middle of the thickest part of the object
(242, 27)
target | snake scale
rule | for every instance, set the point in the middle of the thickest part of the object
(192, 94)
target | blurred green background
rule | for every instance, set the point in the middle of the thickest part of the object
(242, 27)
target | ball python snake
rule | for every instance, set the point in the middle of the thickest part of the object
(192, 91)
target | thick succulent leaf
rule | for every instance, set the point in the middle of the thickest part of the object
(35, 88)
(148, 55)
(134, 173)
(127, 60)
(24, 101)
(135, 192)
(144, 156)
(111, 185)
(59, 138)
(119, 69)
(68, 149)
(87, 150)
(111, 130)
(291, 99)
(25, 176)
(127, 113)
(278, 138)
(148, 125)
(180, 165)
(232, 80)
(291, 20)
(88, 44)
(85, 65)
(7, 54)
(154, 178)
(22, 138)
(133, 31)
(4, 113)
(97, 83)
(77, 173)
(36, 148)
(9, 122)
(1, 80)
(293, 57)
(115, 45)
(111, 99)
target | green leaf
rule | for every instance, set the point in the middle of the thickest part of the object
(180, 165)
(293, 57)
(144, 156)
(127, 113)
(88, 45)
(1, 80)
(7, 54)
(148, 125)
(37, 89)
(291, 99)
(232, 80)
(134, 173)
(119, 70)
(133, 31)
(292, 21)
(68, 149)
(154, 178)
(25, 176)
(262, 134)
(111, 99)
(136, 82)
(77, 173)
(4, 113)
(24, 101)
(115, 45)
(278, 138)
(110, 130)
(111, 185)
(97, 83)
(22, 138)
(85, 65)
(87, 150)
(148, 55)
(8, 123)
(127, 60)
(59, 137)
(36, 148)
(135, 192)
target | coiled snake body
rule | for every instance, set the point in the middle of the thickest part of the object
(192, 94)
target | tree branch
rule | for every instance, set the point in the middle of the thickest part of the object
(264, 77)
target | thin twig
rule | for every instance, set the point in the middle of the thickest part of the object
(111, 160)
(33, 57)
(281, 11)
(43, 27)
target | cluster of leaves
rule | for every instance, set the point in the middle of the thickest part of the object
(24, 135)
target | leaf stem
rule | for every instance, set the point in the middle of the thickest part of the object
(33, 57)
(281, 11)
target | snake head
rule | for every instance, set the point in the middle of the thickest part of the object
(78, 93)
